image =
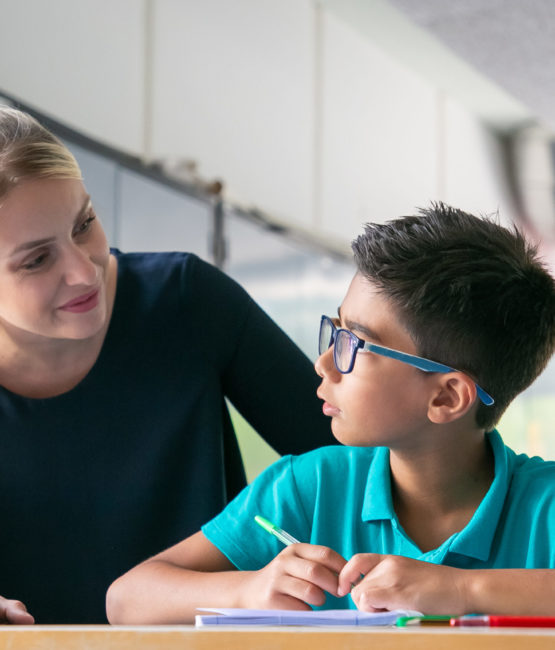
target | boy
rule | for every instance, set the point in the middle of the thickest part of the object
(424, 488)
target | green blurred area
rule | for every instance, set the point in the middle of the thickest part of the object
(257, 454)
(527, 425)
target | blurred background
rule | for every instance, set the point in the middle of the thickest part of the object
(261, 135)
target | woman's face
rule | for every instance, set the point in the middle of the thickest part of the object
(54, 261)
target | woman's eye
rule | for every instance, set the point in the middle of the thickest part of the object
(85, 225)
(35, 263)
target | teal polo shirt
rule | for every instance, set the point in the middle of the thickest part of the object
(340, 497)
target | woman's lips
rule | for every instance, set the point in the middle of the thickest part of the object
(83, 303)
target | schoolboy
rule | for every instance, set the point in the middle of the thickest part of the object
(424, 489)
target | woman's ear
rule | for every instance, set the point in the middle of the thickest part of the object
(454, 396)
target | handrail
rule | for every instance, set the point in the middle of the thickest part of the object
(209, 193)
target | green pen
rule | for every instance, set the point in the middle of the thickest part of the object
(403, 621)
(284, 537)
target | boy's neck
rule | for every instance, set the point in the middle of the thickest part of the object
(437, 489)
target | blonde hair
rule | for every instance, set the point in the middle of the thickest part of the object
(29, 151)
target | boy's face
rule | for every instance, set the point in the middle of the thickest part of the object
(381, 402)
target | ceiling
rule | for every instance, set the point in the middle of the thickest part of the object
(511, 42)
(497, 56)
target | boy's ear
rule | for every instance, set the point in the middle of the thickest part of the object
(454, 396)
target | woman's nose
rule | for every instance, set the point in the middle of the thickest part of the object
(79, 268)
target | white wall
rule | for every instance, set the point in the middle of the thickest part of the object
(233, 88)
(82, 61)
(379, 134)
(299, 113)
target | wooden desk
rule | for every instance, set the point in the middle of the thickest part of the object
(102, 637)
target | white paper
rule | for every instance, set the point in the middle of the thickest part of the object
(231, 616)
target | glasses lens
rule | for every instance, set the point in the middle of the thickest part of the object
(343, 351)
(326, 335)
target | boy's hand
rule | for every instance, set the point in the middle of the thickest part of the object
(15, 612)
(396, 582)
(294, 579)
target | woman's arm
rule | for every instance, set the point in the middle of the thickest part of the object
(273, 384)
(269, 379)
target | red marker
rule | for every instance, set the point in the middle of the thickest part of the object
(503, 621)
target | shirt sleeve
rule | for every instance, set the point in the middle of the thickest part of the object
(270, 381)
(272, 495)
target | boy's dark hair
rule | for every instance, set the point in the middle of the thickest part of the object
(472, 294)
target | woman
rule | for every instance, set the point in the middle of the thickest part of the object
(115, 439)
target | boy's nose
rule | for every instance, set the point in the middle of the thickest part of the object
(324, 364)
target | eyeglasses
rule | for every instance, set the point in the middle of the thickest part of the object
(346, 345)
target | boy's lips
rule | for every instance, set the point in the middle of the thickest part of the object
(327, 408)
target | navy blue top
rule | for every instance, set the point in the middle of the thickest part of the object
(142, 452)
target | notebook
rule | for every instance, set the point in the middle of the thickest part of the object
(232, 616)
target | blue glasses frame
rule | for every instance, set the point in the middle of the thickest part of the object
(358, 344)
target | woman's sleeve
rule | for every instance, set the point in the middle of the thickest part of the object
(270, 381)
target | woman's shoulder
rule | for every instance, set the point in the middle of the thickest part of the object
(149, 275)
(144, 262)
(180, 270)
(169, 289)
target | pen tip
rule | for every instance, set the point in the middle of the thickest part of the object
(262, 521)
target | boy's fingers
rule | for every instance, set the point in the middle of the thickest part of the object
(288, 595)
(321, 554)
(303, 591)
(316, 566)
(355, 570)
(312, 573)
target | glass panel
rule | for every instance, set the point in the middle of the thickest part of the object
(100, 178)
(292, 282)
(154, 217)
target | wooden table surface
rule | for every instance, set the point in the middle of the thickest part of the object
(51, 637)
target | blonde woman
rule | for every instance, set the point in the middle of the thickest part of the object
(115, 439)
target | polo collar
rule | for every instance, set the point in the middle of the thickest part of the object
(378, 503)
